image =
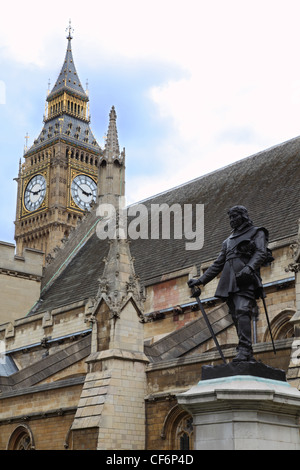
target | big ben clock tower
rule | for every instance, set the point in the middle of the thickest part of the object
(57, 183)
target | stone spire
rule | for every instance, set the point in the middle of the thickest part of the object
(119, 283)
(112, 166)
(68, 79)
(67, 113)
(112, 150)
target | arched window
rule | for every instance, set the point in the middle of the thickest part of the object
(184, 434)
(21, 439)
(178, 429)
(281, 326)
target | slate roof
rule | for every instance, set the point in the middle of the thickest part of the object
(44, 368)
(267, 183)
(7, 366)
(75, 131)
(64, 126)
(68, 79)
(189, 337)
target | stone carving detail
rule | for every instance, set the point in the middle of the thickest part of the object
(119, 283)
(47, 319)
(295, 249)
(293, 267)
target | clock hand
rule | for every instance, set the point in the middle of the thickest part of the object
(82, 190)
(85, 193)
(35, 192)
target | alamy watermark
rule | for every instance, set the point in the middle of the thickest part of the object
(157, 221)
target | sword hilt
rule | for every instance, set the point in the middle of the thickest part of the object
(196, 291)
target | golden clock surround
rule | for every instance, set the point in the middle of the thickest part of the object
(76, 171)
(25, 181)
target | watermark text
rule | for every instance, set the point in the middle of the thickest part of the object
(157, 221)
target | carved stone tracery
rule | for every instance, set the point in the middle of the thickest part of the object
(295, 249)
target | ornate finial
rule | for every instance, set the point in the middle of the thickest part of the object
(26, 145)
(70, 29)
(113, 114)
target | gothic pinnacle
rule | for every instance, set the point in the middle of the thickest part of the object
(112, 149)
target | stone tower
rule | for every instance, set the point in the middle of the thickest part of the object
(111, 409)
(58, 180)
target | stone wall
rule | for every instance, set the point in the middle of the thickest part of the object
(26, 337)
(47, 411)
(20, 281)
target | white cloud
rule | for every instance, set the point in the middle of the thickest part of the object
(241, 87)
(241, 93)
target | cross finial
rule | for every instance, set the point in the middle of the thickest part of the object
(26, 145)
(70, 29)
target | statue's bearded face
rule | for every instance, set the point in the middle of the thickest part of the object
(235, 219)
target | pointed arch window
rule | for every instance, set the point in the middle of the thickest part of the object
(281, 326)
(178, 429)
(21, 439)
(184, 434)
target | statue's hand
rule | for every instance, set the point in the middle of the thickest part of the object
(244, 277)
(193, 282)
(246, 270)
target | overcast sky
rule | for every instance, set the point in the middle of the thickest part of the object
(196, 84)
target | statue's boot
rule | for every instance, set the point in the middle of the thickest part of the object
(245, 352)
(243, 355)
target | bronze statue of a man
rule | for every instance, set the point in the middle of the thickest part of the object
(242, 255)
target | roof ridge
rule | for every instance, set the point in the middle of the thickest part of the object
(229, 165)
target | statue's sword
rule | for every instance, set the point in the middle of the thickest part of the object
(196, 293)
(268, 321)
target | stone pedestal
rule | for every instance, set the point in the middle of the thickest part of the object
(244, 412)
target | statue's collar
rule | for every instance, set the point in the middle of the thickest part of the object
(241, 230)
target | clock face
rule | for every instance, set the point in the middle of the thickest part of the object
(84, 191)
(35, 193)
